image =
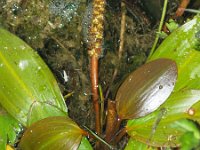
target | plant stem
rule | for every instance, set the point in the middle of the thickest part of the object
(119, 136)
(93, 135)
(181, 7)
(102, 107)
(95, 96)
(95, 39)
(122, 30)
(192, 11)
(121, 44)
(111, 120)
(159, 28)
(116, 128)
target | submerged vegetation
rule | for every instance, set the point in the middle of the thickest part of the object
(94, 49)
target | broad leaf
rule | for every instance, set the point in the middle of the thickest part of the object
(183, 47)
(136, 145)
(190, 126)
(160, 128)
(9, 129)
(25, 80)
(191, 139)
(52, 133)
(146, 89)
(42, 110)
(189, 142)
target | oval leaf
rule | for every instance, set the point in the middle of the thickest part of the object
(181, 46)
(146, 89)
(52, 133)
(160, 127)
(25, 78)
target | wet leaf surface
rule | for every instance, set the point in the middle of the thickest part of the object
(52, 133)
(146, 89)
(133, 144)
(85, 145)
(158, 128)
(25, 79)
(162, 127)
(9, 128)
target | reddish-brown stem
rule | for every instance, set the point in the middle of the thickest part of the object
(181, 8)
(119, 136)
(95, 39)
(111, 120)
(95, 95)
(116, 128)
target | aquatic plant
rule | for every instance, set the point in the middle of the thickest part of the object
(151, 102)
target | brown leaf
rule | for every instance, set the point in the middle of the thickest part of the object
(146, 89)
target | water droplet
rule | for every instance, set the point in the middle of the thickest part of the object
(44, 87)
(191, 111)
(1, 65)
(23, 64)
(171, 137)
(31, 131)
(22, 47)
(160, 86)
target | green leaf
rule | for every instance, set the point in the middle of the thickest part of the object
(85, 144)
(161, 127)
(52, 133)
(146, 89)
(188, 141)
(158, 128)
(183, 47)
(136, 145)
(42, 110)
(172, 25)
(9, 128)
(26, 80)
(190, 126)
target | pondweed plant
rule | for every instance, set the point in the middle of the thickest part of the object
(153, 101)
